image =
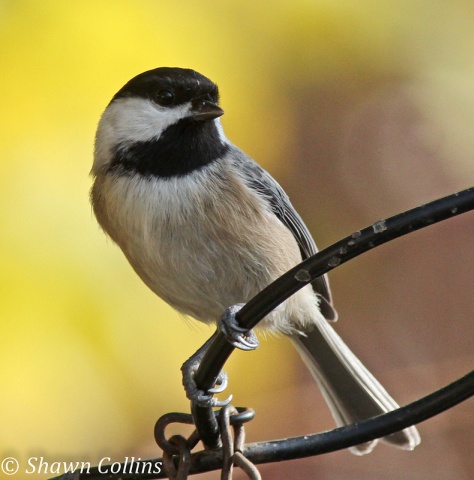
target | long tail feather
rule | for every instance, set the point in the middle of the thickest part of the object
(351, 391)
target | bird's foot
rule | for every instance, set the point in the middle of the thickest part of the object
(237, 336)
(200, 397)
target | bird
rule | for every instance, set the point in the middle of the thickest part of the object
(206, 228)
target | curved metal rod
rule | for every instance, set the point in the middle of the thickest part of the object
(309, 445)
(366, 430)
(326, 260)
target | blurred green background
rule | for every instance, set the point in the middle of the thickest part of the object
(359, 109)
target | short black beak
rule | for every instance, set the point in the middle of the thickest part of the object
(204, 109)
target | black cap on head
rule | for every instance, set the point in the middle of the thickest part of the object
(169, 86)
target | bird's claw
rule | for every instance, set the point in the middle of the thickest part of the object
(237, 336)
(221, 383)
(209, 401)
(200, 397)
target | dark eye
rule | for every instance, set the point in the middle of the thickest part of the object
(165, 98)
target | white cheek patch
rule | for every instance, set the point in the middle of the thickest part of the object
(138, 119)
(131, 120)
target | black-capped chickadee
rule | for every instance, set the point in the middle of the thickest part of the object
(207, 228)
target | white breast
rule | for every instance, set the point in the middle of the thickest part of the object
(202, 242)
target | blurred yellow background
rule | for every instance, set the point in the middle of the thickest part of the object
(359, 109)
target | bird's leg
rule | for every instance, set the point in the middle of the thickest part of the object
(189, 369)
(237, 336)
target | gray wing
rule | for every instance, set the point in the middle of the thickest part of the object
(261, 181)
